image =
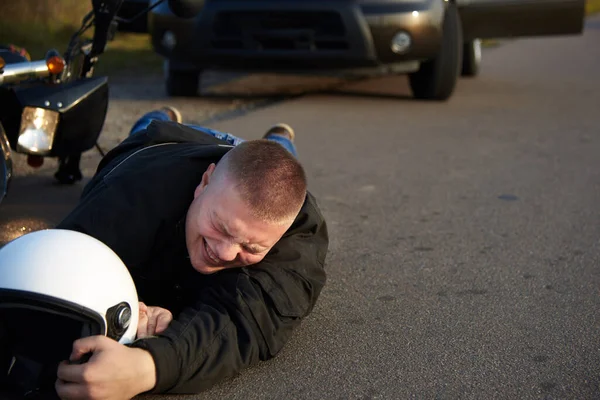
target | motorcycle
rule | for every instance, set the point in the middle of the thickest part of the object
(55, 107)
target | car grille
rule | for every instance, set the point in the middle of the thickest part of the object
(279, 30)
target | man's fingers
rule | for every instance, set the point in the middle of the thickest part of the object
(86, 345)
(143, 307)
(162, 322)
(70, 372)
(151, 328)
(68, 391)
(142, 328)
(152, 320)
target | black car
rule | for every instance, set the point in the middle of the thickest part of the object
(434, 41)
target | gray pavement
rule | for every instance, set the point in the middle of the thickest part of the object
(464, 236)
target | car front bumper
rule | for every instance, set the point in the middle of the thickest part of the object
(301, 34)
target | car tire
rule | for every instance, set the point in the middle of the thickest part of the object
(436, 78)
(182, 83)
(471, 58)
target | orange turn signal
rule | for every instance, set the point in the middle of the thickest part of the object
(56, 64)
(2, 63)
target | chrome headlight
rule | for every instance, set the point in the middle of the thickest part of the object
(38, 127)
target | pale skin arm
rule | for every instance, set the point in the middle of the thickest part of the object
(114, 371)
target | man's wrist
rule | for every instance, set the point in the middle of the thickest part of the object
(146, 368)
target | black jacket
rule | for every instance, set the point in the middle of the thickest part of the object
(136, 203)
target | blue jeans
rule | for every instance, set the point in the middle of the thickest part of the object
(143, 122)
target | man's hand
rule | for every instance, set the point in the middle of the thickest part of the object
(114, 371)
(152, 320)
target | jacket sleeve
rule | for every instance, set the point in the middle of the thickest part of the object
(247, 315)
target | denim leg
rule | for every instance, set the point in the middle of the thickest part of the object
(285, 142)
(228, 137)
(147, 118)
(234, 140)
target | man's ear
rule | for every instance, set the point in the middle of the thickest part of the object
(206, 176)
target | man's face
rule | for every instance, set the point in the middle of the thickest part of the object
(220, 231)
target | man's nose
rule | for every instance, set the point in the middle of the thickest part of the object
(227, 251)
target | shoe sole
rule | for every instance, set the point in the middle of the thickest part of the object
(287, 128)
(178, 117)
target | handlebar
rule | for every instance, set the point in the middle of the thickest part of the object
(12, 73)
(17, 72)
(104, 20)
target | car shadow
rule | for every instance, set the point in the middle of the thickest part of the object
(282, 97)
(372, 95)
(226, 86)
(339, 89)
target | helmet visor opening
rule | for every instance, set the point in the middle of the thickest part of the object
(37, 333)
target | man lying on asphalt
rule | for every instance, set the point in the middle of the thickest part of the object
(219, 233)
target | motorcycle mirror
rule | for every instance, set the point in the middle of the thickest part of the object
(186, 8)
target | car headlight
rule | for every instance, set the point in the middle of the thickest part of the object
(401, 42)
(38, 127)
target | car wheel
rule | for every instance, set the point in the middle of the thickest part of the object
(436, 78)
(182, 83)
(471, 58)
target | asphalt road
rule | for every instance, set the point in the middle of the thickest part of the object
(464, 236)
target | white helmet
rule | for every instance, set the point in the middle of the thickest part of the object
(71, 276)
(57, 286)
